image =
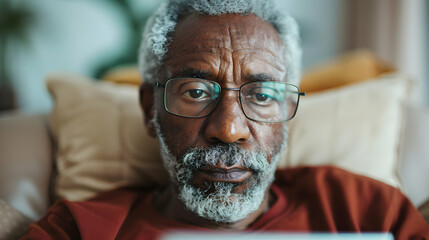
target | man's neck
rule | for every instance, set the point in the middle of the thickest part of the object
(168, 204)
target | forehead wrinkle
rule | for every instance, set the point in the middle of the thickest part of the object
(253, 56)
(230, 52)
(208, 49)
(275, 67)
(255, 49)
(180, 62)
(235, 72)
(197, 61)
(225, 55)
(247, 47)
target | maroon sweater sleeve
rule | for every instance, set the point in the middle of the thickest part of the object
(99, 218)
(377, 206)
(58, 223)
(334, 200)
(407, 222)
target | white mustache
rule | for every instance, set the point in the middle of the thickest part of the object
(227, 155)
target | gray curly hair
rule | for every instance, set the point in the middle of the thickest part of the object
(155, 39)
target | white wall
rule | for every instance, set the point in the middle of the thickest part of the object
(324, 27)
(74, 35)
(427, 54)
(322, 24)
(71, 35)
(412, 48)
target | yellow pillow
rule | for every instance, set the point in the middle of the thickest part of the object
(124, 75)
(102, 143)
(352, 67)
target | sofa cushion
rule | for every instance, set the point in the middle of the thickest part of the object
(25, 163)
(102, 143)
(415, 155)
(13, 224)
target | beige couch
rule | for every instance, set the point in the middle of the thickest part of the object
(33, 147)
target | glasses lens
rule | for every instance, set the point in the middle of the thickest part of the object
(269, 101)
(190, 97)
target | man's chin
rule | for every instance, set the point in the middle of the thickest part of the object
(221, 201)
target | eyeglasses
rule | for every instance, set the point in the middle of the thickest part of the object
(263, 101)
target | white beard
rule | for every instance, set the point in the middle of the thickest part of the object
(218, 201)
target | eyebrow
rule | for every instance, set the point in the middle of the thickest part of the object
(260, 77)
(193, 73)
(199, 73)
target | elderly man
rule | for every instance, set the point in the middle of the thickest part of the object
(220, 84)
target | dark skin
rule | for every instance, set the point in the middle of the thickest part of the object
(231, 50)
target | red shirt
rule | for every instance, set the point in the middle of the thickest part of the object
(322, 199)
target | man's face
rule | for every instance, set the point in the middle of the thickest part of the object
(223, 158)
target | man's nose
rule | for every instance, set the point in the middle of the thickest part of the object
(227, 123)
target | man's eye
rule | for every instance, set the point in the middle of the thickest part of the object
(262, 97)
(196, 94)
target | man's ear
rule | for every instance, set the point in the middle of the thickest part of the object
(147, 104)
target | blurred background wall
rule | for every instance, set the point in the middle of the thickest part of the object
(91, 37)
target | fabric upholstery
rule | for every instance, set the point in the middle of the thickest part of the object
(25, 163)
(415, 164)
(13, 224)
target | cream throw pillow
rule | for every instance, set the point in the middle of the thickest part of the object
(357, 127)
(102, 143)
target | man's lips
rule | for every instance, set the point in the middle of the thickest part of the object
(233, 175)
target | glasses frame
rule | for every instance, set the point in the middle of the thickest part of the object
(160, 85)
